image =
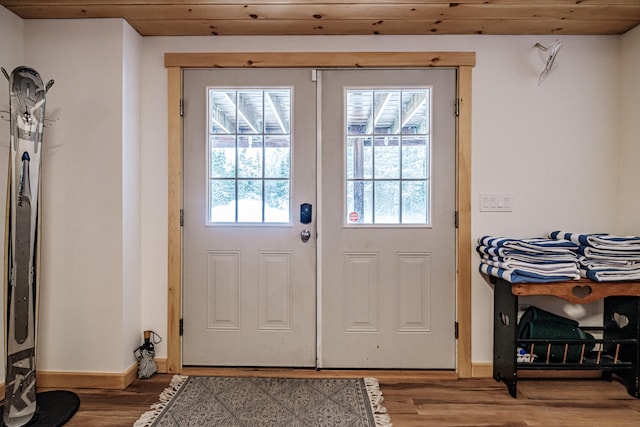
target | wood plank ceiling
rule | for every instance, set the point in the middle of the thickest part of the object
(346, 17)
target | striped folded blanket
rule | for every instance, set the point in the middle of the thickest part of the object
(521, 276)
(610, 275)
(598, 253)
(535, 245)
(526, 256)
(609, 270)
(542, 268)
(600, 241)
(621, 264)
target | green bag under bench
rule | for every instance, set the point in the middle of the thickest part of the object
(537, 323)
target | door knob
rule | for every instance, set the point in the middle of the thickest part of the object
(305, 235)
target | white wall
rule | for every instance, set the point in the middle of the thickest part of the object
(131, 211)
(629, 155)
(82, 204)
(11, 46)
(89, 270)
(554, 147)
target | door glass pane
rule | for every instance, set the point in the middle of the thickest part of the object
(222, 118)
(359, 157)
(359, 202)
(249, 107)
(359, 112)
(414, 202)
(223, 156)
(415, 157)
(387, 111)
(276, 114)
(387, 202)
(277, 156)
(387, 155)
(249, 200)
(249, 155)
(276, 200)
(222, 200)
(415, 117)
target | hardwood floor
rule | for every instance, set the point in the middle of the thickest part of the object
(484, 402)
(114, 408)
(436, 401)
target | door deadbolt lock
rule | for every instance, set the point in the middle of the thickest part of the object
(306, 213)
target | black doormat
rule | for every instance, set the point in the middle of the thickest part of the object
(55, 408)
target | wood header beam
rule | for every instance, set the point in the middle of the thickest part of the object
(320, 59)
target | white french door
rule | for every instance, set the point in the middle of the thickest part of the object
(249, 270)
(386, 288)
(388, 224)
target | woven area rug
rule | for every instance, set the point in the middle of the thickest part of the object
(268, 402)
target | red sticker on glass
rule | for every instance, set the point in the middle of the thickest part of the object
(353, 217)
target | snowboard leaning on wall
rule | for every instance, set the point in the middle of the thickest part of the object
(27, 104)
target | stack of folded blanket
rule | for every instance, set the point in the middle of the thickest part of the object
(536, 260)
(605, 257)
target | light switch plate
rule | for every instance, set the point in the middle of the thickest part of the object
(496, 202)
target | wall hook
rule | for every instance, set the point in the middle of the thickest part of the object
(48, 121)
(554, 48)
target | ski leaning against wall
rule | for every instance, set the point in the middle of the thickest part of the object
(27, 104)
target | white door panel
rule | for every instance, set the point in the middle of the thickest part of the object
(388, 291)
(248, 286)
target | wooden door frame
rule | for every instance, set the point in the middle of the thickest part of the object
(462, 61)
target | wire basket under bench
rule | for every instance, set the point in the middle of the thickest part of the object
(615, 351)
